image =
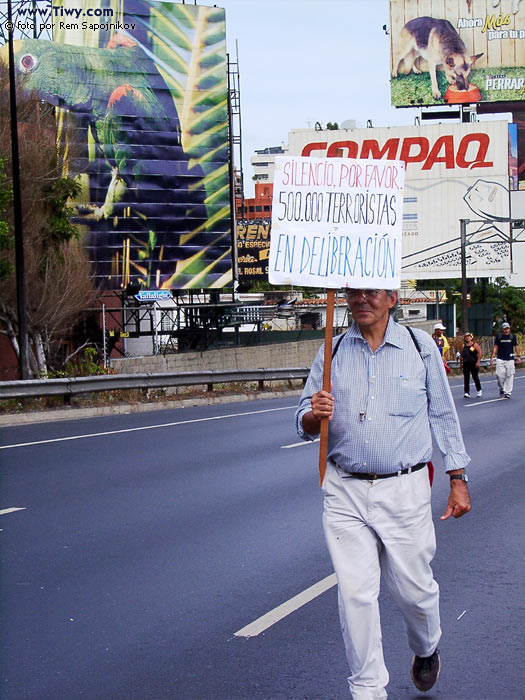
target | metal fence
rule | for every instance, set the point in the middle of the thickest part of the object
(71, 386)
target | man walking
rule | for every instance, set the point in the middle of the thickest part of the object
(505, 351)
(388, 392)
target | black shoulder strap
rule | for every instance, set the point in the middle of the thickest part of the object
(412, 335)
(336, 346)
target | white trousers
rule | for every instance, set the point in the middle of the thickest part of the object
(505, 371)
(374, 527)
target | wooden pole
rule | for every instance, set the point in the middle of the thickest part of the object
(327, 367)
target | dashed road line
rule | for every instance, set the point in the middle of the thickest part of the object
(270, 618)
(5, 511)
(145, 427)
(299, 444)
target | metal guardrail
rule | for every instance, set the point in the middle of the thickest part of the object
(70, 386)
(454, 364)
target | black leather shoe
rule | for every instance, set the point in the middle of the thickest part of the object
(425, 670)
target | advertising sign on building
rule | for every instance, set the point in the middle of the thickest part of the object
(141, 92)
(453, 172)
(456, 52)
(336, 222)
(253, 249)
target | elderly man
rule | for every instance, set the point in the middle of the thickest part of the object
(505, 351)
(389, 391)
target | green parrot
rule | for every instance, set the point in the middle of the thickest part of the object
(141, 184)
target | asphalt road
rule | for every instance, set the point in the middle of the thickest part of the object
(146, 541)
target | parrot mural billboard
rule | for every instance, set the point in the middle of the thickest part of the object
(141, 92)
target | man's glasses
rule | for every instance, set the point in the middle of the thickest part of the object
(367, 293)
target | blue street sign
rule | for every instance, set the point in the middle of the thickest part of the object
(153, 294)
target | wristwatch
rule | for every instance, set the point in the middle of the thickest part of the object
(462, 477)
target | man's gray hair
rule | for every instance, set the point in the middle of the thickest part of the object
(390, 293)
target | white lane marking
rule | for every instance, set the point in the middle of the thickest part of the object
(145, 427)
(299, 444)
(463, 613)
(10, 510)
(480, 403)
(285, 609)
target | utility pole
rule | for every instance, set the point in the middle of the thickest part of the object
(23, 347)
(464, 292)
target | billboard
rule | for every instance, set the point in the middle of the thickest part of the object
(453, 172)
(253, 250)
(456, 52)
(141, 93)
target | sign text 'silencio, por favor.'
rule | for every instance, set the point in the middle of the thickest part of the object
(337, 222)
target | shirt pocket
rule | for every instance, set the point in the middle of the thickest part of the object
(405, 396)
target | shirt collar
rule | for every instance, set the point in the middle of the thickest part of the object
(394, 334)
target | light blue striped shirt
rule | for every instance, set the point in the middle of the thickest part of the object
(387, 403)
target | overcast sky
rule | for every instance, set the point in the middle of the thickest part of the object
(303, 61)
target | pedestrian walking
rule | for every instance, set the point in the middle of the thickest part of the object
(389, 395)
(505, 351)
(442, 343)
(469, 362)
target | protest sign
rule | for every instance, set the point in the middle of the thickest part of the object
(337, 222)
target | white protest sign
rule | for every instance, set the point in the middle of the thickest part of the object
(337, 222)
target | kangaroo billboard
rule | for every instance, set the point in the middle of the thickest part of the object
(453, 172)
(141, 96)
(456, 53)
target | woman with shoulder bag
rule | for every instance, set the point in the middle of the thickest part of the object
(469, 362)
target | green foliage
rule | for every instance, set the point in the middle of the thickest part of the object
(86, 366)
(6, 239)
(508, 301)
(307, 292)
(332, 126)
(415, 89)
(83, 365)
(57, 226)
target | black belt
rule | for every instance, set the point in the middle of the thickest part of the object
(372, 477)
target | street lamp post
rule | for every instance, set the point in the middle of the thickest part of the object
(464, 291)
(23, 347)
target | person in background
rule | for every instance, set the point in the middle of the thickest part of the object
(389, 396)
(442, 343)
(505, 352)
(469, 362)
(441, 340)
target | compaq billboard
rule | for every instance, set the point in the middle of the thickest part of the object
(453, 172)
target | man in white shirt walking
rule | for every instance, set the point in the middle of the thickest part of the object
(389, 394)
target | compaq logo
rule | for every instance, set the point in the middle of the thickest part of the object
(470, 152)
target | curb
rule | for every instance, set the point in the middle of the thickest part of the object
(72, 413)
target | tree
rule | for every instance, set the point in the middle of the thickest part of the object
(508, 301)
(58, 288)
